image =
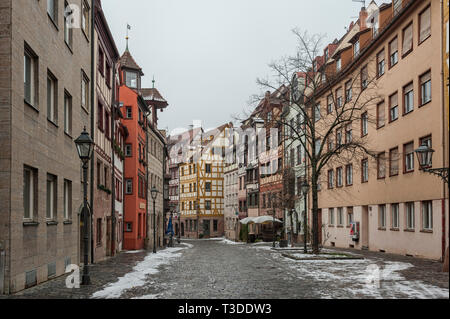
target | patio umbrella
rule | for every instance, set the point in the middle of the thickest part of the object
(247, 220)
(266, 220)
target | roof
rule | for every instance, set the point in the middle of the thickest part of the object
(153, 95)
(127, 61)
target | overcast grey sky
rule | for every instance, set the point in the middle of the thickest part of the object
(206, 54)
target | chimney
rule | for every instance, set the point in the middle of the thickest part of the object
(267, 95)
(363, 15)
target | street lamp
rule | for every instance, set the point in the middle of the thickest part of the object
(425, 156)
(154, 193)
(85, 146)
(305, 190)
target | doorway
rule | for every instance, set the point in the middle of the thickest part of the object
(108, 235)
(206, 229)
(365, 227)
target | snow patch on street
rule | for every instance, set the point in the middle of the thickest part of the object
(134, 251)
(230, 242)
(137, 278)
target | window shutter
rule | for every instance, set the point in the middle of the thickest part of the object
(381, 114)
(425, 24)
(393, 46)
(425, 78)
(407, 39)
(393, 100)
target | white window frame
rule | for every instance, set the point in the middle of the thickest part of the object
(410, 215)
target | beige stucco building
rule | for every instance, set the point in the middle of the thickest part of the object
(399, 208)
(44, 105)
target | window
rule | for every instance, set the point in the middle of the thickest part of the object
(330, 179)
(380, 63)
(427, 141)
(381, 117)
(330, 104)
(349, 175)
(410, 216)
(339, 177)
(407, 39)
(85, 18)
(68, 31)
(339, 97)
(408, 157)
(67, 113)
(129, 112)
(393, 107)
(364, 77)
(207, 187)
(108, 74)
(331, 216)
(131, 79)
(52, 10)
(215, 225)
(381, 165)
(382, 216)
(208, 168)
(394, 216)
(326, 54)
(348, 91)
(349, 216)
(364, 124)
(397, 6)
(318, 145)
(67, 200)
(427, 215)
(101, 61)
(340, 216)
(100, 118)
(299, 154)
(128, 150)
(393, 52)
(51, 197)
(84, 91)
(30, 76)
(330, 144)
(365, 171)
(107, 124)
(425, 88)
(128, 186)
(425, 24)
(393, 162)
(99, 231)
(208, 205)
(30, 194)
(52, 98)
(356, 48)
(317, 112)
(408, 98)
(339, 137)
(338, 64)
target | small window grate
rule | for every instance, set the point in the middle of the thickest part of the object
(30, 278)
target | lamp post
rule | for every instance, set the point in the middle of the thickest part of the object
(305, 190)
(273, 221)
(425, 156)
(85, 146)
(154, 193)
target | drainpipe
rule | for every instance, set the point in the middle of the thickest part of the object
(113, 175)
(93, 85)
(146, 178)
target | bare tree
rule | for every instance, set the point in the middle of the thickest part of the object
(326, 134)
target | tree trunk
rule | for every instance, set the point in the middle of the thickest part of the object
(315, 214)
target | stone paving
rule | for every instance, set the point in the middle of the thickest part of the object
(219, 269)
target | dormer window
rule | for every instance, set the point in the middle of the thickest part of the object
(131, 79)
(326, 54)
(356, 48)
(338, 64)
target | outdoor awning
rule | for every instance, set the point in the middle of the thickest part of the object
(260, 220)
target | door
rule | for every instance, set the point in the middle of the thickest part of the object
(365, 227)
(108, 235)
(182, 229)
(206, 229)
(2, 271)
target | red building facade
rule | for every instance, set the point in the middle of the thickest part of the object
(134, 112)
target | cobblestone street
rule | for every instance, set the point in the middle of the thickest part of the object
(210, 269)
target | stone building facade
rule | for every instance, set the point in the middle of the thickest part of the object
(40, 171)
